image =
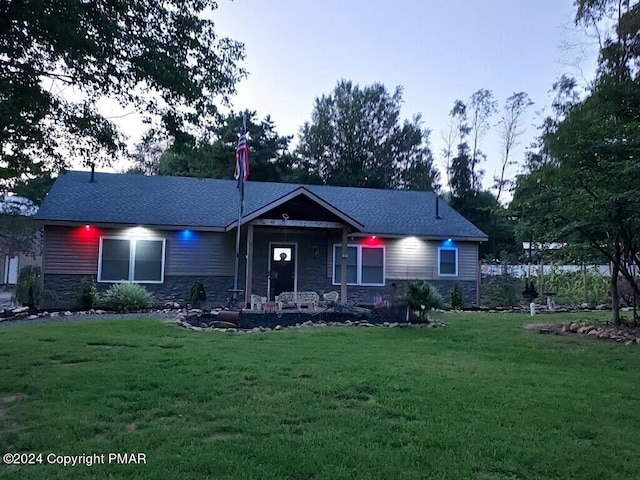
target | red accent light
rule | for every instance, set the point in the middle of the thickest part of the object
(372, 241)
(86, 233)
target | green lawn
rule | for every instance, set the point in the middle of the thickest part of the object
(481, 399)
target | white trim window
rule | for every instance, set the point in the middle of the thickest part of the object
(447, 262)
(365, 265)
(139, 260)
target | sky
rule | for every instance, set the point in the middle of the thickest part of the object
(438, 51)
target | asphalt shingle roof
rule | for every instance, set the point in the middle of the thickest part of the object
(193, 202)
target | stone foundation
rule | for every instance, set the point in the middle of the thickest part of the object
(394, 291)
(61, 291)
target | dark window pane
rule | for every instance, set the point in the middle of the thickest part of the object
(115, 259)
(372, 265)
(448, 262)
(372, 275)
(352, 264)
(148, 261)
(372, 257)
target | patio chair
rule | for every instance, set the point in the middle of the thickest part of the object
(258, 302)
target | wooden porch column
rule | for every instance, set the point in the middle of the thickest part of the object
(343, 267)
(249, 270)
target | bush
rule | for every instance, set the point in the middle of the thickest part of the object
(423, 297)
(457, 298)
(88, 295)
(28, 288)
(197, 294)
(127, 297)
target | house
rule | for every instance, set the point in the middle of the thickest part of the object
(20, 240)
(167, 232)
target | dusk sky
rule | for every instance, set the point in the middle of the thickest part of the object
(297, 50)
(437, 50)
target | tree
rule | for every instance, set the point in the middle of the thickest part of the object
(460, 176)
(510, 126)
(19, 232)
(147, 152)
(34, 189)
(587, 173)
(588, 187)
(355, 138)
(58, 58)
(482, 106)
(458, 129)
(617, 26)
(270, 160)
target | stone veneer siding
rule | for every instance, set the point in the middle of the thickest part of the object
(61, 291)
(360, 294)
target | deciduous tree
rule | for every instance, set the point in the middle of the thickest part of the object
(58, 58)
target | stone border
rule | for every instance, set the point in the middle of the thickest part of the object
(309, 324)
(626, 335)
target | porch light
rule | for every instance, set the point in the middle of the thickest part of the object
(87, 227)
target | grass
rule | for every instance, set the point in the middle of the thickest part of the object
(482, 399)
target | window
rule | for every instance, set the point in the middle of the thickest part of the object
(448, 262)
(365, 265)
(131, 260)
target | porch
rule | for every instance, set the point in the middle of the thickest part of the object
(285, 247)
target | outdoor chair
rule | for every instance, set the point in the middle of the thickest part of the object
(258, 302)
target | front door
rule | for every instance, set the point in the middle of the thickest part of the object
(282, 267)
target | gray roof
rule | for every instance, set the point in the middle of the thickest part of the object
(192, 202)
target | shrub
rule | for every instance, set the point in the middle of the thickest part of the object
(197, 294)
(423, 297)
(127, 297)
(28, 288)
(88, 295)
(457, 298)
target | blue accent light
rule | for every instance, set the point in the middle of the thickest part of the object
(447, 243)
(186, 234)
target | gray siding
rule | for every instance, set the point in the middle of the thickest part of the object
(412, 258)
(205, 253)
(73, 250)
(69, 250)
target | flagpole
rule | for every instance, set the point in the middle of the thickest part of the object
(235, 279)
(241, 179)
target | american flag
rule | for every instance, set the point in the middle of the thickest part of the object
(242, 157)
